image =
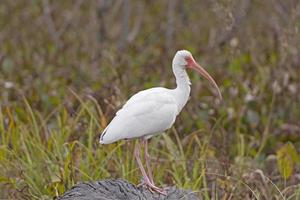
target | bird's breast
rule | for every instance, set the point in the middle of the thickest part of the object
(143, 117)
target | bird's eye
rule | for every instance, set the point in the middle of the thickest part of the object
(189, 60)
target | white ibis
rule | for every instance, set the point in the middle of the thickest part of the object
(152, 111)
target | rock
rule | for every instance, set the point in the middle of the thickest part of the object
(118, 189)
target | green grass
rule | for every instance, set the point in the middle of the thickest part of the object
(66, 68)
(43, 156)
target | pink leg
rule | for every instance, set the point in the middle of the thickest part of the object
(148, 183)
(138, 159)
(147, 157)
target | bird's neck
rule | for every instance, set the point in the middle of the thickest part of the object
(183, 89)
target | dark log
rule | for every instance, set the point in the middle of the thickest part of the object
(119, 189)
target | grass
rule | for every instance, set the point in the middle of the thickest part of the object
(43, 156)
(67, 66)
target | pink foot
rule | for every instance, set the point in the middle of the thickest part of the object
(153, 188)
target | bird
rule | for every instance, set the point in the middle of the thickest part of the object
(153, 111)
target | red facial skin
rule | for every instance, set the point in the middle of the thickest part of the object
(192, 64)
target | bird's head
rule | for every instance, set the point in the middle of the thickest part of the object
(184, 59)
(181, 58)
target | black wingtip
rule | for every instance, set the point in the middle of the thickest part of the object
(101, 137)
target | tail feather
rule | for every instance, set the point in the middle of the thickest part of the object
(102, 135)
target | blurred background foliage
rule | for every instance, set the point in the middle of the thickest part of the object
(67, 66)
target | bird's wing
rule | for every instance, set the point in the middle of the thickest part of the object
(158, 95)
(145, 113)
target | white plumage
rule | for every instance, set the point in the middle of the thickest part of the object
(144, 114)
(153, 111)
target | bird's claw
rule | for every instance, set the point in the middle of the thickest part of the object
(158, 190)
(153, 188)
